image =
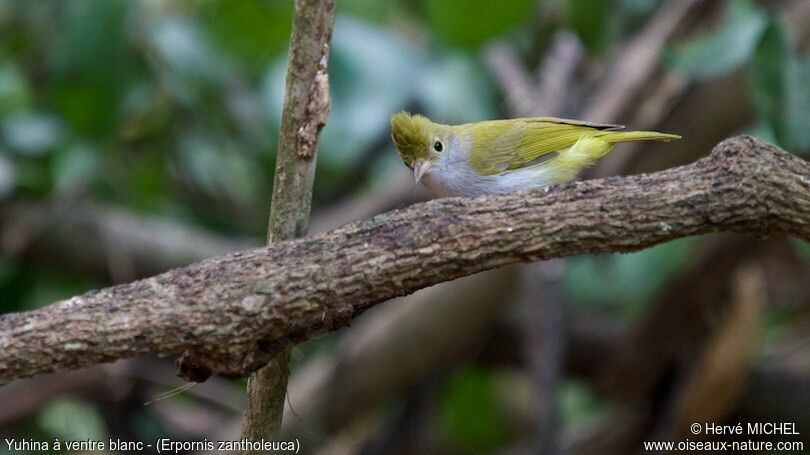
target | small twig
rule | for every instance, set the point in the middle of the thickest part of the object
(545, 96)
(518, 86)
(637, 62)
(556, 74)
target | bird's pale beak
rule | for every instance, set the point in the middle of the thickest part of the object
(419, 169)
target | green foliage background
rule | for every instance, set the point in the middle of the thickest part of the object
(171, 109)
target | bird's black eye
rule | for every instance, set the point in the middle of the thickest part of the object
(437, 146)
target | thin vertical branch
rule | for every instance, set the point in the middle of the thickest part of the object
(306, 106)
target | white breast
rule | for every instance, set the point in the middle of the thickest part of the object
(452, 175)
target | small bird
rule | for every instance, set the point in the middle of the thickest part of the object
(501, 156)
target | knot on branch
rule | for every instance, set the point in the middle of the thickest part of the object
(191, 369)
(197, 367)
(740, 145)
(771, 187)
(743, 155)
(748, 156)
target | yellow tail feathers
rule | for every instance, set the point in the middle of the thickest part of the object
(626, 136)
(590, 148)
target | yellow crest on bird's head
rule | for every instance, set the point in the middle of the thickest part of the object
(411, 136)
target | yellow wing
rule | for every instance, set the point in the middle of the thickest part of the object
(505, 145)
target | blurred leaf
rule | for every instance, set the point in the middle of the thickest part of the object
(90, 41)
(780, 88)
(15, 285)
(802, 247)
(143, 179)
(190, 61)
(724, 49)
(144, 110)
(624, 281)
(220, 170)
(454, 88)
(148, 425)
(90, 59)
(74, 167)
(768, 88)
(469, 411)
(470, 23)
(32, 177)
(761, 129)
(253, 30)
(579, 405)
(373, 10)
(372, 73)
(639, 7)
(8, 175)
(589, 18)
(181, 45)
(86, 106)
(50, 285)
(73, 420)
(797, 111)
(14, 91)
(780, 324)
(31, 133)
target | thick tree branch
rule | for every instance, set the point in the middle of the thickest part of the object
(234, 312)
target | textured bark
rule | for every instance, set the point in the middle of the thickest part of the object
(306, 106)
(235, 312)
